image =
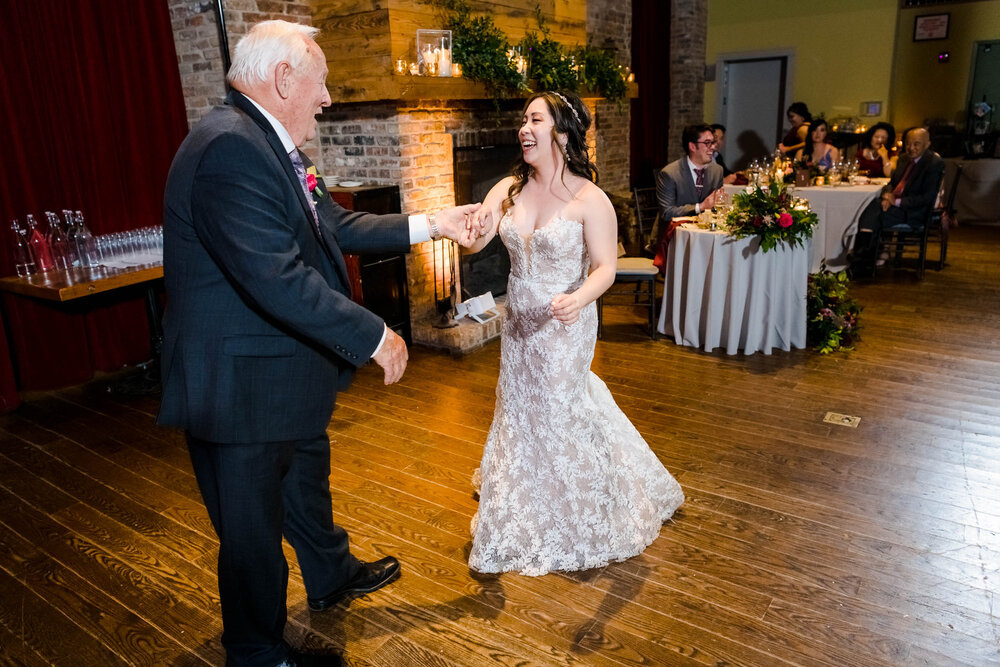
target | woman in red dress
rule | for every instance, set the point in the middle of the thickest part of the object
(875, 156)
(795, 138)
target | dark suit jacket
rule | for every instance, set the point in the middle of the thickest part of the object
(922, 187)
(675, 188)
(259, 329)
(721, 161)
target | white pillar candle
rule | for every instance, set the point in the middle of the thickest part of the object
(444, 62)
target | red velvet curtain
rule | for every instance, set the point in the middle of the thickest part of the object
(93, 113)
(650, 127)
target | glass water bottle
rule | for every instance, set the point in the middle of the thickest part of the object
(86, 244)
(39, 246)
(62, 255)
(24, 261)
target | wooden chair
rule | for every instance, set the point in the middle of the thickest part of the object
(636, 274)
(647, 212)
(937, 229)
(913, 233)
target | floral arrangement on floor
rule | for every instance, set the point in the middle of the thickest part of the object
(772, 214)
(832, 315)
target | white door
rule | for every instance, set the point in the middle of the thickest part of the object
(753, 106)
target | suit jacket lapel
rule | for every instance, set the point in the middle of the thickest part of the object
(240, 101)
(332, 250)
(688, 177)
(920, 168)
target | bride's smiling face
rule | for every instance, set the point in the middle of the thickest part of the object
(537, 135)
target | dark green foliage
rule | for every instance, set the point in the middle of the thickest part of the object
(482, 50)
(600, 72)
(549, 66)
(832, 314)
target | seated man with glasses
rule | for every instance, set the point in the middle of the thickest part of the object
(691, 184)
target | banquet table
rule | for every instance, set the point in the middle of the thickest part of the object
(978, 194)
(726, 292)
(837, 208)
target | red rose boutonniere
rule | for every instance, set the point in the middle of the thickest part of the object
(315, 183)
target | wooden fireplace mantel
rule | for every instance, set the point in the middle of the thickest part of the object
(363, 39)
(414, 88)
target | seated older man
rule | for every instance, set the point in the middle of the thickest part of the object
(906, 200)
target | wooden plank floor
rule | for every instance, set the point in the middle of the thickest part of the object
(800, 542)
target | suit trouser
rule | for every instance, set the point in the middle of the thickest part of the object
(871, 222)
(254, 494)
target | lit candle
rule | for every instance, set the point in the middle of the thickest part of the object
(456, 69)
(444, 62)
(429, 61)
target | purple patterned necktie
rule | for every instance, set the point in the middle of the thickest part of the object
(699, 181)
(300, 171)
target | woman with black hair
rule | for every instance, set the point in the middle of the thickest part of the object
(799, 116)
(566, 482)
(875, 156)
(817, 151)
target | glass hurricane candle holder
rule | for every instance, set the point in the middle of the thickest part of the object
(434, 52)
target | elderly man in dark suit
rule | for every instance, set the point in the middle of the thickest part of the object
(905, 201)
(260, 333)
(691, 184)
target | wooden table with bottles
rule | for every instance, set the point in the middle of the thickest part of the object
(69, 284)
(64, 285)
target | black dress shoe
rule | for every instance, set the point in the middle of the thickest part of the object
(299, 659)
(371, 577)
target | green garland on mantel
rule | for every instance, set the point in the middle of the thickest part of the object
(481, 48)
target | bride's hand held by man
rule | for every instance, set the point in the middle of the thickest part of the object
(479, 225)
(461, 224)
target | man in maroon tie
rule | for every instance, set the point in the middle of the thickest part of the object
(905, 203)
(691, 184)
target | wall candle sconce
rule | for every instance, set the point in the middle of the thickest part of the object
(445, 283)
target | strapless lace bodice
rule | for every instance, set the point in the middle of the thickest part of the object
(552, 260)
(566, 481)
(553, 254)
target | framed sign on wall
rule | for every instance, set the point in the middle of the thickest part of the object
(930, 27)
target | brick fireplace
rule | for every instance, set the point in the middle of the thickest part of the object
(388, 129)
(412, 144)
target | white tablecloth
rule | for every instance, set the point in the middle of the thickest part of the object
(837, 209)
(978, 196)
(724, 292)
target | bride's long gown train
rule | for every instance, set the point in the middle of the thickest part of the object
(566, 482)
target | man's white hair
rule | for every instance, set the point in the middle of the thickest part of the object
(267, 44)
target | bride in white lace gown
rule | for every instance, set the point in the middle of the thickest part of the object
(566, 482)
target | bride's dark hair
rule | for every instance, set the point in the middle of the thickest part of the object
(572, 118)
